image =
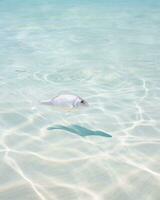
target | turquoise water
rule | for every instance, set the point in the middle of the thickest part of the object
(105, 51)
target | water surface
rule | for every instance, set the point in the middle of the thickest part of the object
(105, 51)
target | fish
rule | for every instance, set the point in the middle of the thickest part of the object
(66, 100)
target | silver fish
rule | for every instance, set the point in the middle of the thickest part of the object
(66, 100)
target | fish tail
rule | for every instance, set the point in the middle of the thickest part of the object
(47, 102)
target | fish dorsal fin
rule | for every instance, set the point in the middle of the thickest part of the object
(64, 92)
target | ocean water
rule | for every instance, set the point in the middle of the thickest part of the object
(108, 52)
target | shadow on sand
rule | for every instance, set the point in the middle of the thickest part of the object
(79, 130)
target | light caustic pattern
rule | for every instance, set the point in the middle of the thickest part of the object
(108, 54)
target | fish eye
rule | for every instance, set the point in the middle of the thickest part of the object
(82, 101)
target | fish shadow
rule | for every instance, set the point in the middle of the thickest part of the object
(79, 130)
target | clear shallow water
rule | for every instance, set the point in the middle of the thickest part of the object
(107, 52)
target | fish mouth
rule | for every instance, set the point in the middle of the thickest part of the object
(86, 103)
